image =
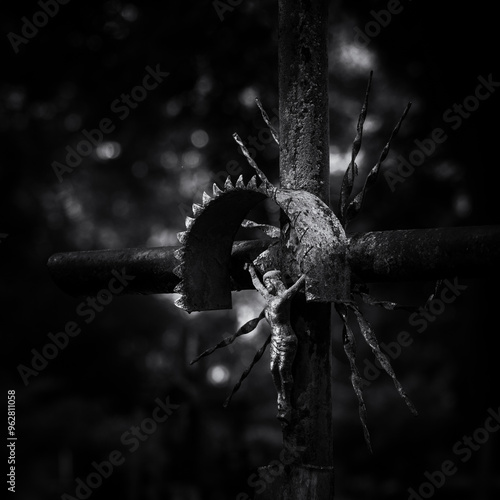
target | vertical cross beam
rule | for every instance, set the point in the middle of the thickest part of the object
(303, 96)
(304, 164)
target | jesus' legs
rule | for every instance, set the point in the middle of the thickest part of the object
(282, 356)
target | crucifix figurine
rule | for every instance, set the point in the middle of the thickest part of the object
(283, 339)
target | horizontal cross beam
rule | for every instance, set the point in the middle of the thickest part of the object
(401, 255)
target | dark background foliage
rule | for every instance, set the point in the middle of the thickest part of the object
(135, 190)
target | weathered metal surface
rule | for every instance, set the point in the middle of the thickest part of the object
(316, 246)
(303, 96)
(425, 254)
(317, 237)
(296, 482)
(411, 254)
(304, 165)
(85, 273)
(204, 259)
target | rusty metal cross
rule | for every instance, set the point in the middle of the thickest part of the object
(209, 264)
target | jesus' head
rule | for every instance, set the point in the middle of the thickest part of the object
(273, 282)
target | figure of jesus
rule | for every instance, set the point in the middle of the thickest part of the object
(283, 339)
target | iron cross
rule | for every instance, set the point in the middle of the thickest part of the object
(312, 242)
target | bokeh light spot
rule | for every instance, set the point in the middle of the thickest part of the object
(218, 375)
(199, 138)
(108, 150)
(191, 158)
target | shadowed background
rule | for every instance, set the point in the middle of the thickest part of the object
(136, 187)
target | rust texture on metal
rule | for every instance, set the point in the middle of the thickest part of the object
(291, 481)
(319, 246)
(421, 254)
(304, 165)
(303, 96)
(85, 273)
(316, 246)
(204, 259)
